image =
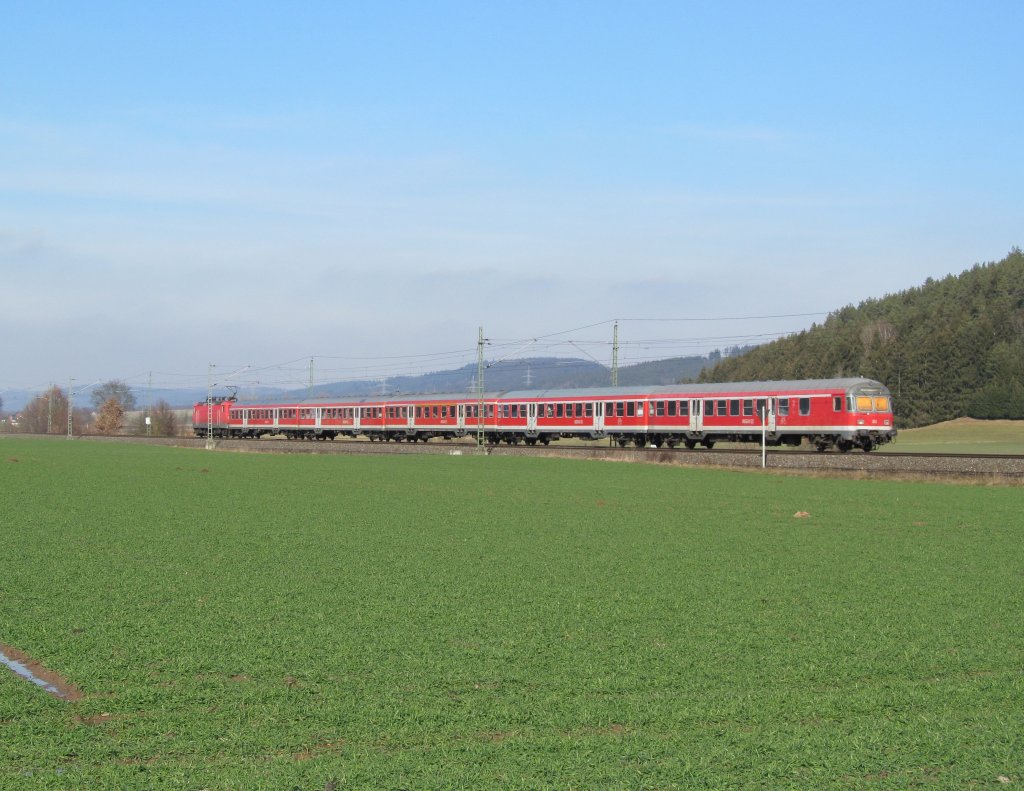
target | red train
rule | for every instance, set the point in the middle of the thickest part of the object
(839, 413)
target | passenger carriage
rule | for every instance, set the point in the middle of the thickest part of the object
(840, 413)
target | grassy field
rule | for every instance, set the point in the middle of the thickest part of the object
(964, 435)
(248, 621)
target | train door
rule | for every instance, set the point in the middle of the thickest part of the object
(599, 416)
(357, 412)
(696, 422)
(531, 417)
(245, 418)
(462, 416)
(317, 412)
(277, 419)
(771, 414)
(410, 417)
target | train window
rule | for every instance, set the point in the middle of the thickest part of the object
(709, 408)
(748, 407)
(619, 409)
(589, 409)
(734, 407)
(551, 410)
(671, 408)
(579, 409)
(882, 404)
(515, 410)
(558, 410)
(630, 409)
(805, 406)
(684, 408)
(609, 409)
(722, 406)
(783, 407)
(762, 407)
(837, 403)
(863, 403)
(419, 411)
(659, 408)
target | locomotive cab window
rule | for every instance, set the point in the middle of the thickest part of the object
(881, 404)
(863, 403)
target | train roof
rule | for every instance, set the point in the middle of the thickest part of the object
(697, 388)
(793, 385)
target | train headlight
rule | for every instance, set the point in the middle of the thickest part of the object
(860, 422)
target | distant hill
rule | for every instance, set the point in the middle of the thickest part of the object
(950, 348)
(538, 373)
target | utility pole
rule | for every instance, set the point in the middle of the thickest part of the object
(309, 392)
(480, 388)
(209, 407)
(49, 410)
(615, 355)
(71, 408)
(149, 404)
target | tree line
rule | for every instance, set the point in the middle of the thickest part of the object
(949, 348)
(111, 402)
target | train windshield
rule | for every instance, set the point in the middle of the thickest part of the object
(872, 399)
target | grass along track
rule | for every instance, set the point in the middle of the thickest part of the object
(246, 621)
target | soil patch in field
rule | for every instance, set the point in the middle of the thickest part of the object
(31, 670)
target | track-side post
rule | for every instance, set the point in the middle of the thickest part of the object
(480, 438)
(209, 407)
(764, 434)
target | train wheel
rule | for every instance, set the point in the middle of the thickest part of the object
(844, 445)
(708, 443)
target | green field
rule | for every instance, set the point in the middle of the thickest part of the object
(258, 621)
(963, 435)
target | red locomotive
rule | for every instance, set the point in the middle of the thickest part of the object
(839, 413)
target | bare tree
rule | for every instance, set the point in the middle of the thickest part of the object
(163, 421)
(114, 389)
(46, 412)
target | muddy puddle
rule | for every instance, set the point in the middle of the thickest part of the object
(26, 667)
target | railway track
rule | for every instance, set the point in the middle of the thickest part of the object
(1009, 468)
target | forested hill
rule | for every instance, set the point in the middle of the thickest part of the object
(950, 348)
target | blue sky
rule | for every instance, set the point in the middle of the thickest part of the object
(248, 183)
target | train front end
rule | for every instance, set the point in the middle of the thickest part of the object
(871, 419)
